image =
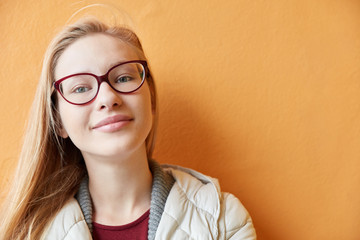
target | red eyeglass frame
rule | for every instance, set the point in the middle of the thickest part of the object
(103, 78)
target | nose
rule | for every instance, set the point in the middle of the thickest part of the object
(107, 97)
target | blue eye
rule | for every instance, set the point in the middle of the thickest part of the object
(81, 89)
(123, 79)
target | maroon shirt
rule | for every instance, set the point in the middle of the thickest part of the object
(135, 230)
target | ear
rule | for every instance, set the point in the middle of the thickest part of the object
(55, 117)
(62, 132)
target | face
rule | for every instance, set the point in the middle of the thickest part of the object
(113, 124)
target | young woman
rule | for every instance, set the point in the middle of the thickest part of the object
(85, 170)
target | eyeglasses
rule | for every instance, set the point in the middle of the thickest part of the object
(82, 88)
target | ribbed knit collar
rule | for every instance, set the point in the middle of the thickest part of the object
(161, 186)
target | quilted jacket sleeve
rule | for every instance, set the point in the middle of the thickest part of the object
(236, 222)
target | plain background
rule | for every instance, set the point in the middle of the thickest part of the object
(263, 95)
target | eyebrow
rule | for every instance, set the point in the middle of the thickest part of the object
(117, 63)
(89, 71)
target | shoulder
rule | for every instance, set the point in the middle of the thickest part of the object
(69, 223)
(235, 221)
(196, 187)
(198, 199)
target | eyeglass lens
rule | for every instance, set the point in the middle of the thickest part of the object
(83, 88)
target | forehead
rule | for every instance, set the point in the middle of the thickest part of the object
(94, 53)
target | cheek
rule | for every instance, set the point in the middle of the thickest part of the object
(147, 107)
(70, 121)
(141, 107)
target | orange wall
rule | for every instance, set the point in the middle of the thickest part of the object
(264, 95)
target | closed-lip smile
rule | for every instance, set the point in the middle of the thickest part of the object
(113, 123)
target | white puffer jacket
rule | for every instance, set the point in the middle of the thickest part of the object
(195, 209)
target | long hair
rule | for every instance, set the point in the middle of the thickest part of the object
(51, 168)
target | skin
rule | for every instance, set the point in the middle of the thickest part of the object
(119, 177)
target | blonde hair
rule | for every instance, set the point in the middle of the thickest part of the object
(50, 168)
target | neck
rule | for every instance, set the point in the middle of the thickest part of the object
(120, 189)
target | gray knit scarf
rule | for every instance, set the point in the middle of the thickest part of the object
(161, 186)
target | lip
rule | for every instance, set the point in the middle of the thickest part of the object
(113, 123)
